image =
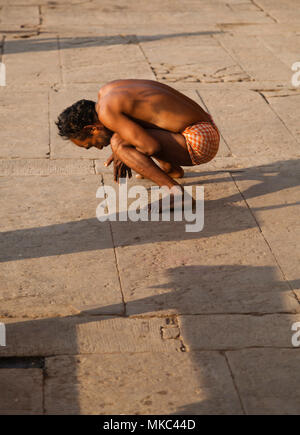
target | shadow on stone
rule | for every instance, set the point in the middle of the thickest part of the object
(49, 44)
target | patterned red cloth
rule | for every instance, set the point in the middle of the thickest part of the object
(202, 140)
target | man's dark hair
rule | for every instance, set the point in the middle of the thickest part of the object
(71, 121)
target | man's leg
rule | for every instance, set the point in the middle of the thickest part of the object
(173, 153)
(143, 165)
(174, 171)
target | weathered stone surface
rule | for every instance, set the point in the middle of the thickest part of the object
(101, 301)
(16, 17)
(111, 57)
(194, 272)
(111, 384)
(114, 20)
(272, 192)
(34, 2)
(21, 391)
(267, 380)
(255, 59)
(287, 109)
(236, 331)
(283, 12)
(29, 139)
(252, 29)
(201, 59)
(88, 334)
(46, 167)
(170, 333)
(56, 258)
(286, 46)
(32, 61)
(248, 124)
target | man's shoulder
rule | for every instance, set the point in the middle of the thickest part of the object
(113, 100)
(110, 107)
(111, 86)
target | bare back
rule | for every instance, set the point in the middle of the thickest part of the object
(151, 104)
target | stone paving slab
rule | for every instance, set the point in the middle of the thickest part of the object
(267, 380)
(89, 334)
(193, 272)
(111, 384)
(30, 139)
(137, 21)
(46, 167)
(32, 62)
(237, 331)
(60, 259)
(285, 46)
(201, 59)
(283, 12)
(261, 30)
(272, 193)
(255, 58)
(287, 108)
(109, 61)
(117, 337)
(21, 391)
(249, 126)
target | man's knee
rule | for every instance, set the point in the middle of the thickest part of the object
(152, 150)
(118, 145)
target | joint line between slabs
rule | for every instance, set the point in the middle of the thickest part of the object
(276, 114)
(234, 382)
(266, 241)
(117, 267)
(60, 60)
(235, 60)
(221, 135)
(116, 260)
(49, 127)
(255, 3)
(2, 47)
(146, 58)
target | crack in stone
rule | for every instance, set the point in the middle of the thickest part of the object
(234, 382)
(278, 116)
(145, 56)
(254, 2)
(172, 73)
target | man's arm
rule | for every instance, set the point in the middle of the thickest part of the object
(120, 169)
(130, 131)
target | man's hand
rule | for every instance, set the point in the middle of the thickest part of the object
(120, 169)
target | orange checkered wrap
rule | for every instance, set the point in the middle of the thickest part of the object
(202, 140)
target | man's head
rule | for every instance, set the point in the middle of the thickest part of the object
(80, 124)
